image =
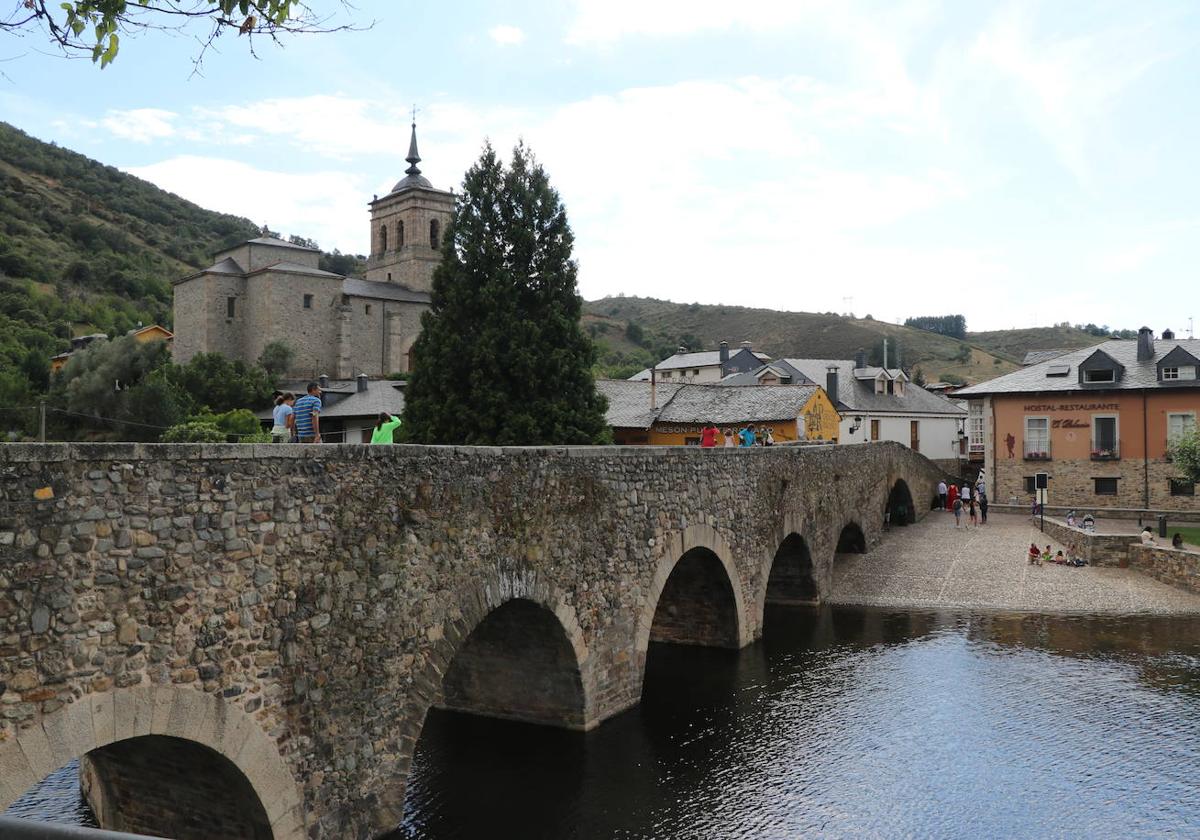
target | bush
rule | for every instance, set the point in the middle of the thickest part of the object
(1185, 454)
(276, 358)
(193, 432)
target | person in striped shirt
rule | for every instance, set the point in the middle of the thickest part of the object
(306, 414)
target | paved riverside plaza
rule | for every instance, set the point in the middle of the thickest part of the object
(986, 567)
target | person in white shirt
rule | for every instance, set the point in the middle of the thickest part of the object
(942, 494)
(966, 493)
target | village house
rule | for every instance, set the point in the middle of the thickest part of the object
(1098, 422)
(674, 414)
(874, 403)
(141, 334)
(705, 365)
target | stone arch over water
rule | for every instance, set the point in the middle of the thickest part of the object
(159, 740)
(792, 578)
(696, 595)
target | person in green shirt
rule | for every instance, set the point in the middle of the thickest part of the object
(385, 426)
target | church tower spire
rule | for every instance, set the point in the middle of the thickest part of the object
(413, 156)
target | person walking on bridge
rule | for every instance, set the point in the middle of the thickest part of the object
(709, 435)
(385, 429)
(306, 415)
(941, 491)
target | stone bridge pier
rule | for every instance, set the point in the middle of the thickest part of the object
(244, 641)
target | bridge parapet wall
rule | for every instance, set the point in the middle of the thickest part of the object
(323, 591)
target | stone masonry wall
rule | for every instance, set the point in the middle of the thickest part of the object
(1097, 549)
(294, 608)
(1180, 569)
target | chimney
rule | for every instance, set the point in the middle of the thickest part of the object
(681, 349)
(323, 381)
(746, 345)
(831, 383)
(860, 359)
(362, 382)
(724, 352)
(1145, 345)
(1168, 335)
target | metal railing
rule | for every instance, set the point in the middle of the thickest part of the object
(14, 828)
(1037, 449)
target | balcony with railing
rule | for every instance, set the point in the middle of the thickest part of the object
(1037, 449)
(1106, 450)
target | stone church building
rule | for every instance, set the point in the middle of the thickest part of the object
(268, 290)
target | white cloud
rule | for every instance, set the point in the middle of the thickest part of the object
(328, 206)
(141, 125)
(605, 21)
(506, 35)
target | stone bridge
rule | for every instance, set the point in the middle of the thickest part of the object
(244, 641)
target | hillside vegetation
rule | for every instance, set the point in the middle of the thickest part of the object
(87, 248)
(1014, 344)
(633, 331)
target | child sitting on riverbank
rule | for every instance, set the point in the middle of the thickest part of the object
(1047, 555)
(1060, 559)
(1035, 554)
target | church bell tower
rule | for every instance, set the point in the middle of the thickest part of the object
(407, 226)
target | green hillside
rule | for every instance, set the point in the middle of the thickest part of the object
(618, 323)
(87, 248)
(1014, 344)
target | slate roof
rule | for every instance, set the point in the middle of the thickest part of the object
(358, 287)
(780, 367)
(293, 268)
(704, 358)
(1137, 375)
(1036, 357)
(737, 404)
(859, 395)
(278, 243)
(629, 403)
(226, 266)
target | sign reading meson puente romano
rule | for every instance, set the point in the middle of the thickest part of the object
(267, 290)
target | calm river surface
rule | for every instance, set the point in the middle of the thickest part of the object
(848, 722)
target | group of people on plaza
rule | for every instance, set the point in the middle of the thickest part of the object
(299, 420)
(747, 436)
(973, 501)
(1147, 538)
(1040, 556)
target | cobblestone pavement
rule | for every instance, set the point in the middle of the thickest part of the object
(931, 564)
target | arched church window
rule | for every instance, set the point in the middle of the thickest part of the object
(382, 238)
(434, 232)
(399, 235)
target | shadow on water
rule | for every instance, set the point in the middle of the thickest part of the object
(851, 722)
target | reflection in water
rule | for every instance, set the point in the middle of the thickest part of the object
(842, 722)
(57, 799)
(849, 722)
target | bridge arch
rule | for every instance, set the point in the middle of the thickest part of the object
(688, 573)
(792, 578)
(144, 731)
(482, 619)
(850, 540)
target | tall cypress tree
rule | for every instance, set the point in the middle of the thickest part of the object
(501, 358)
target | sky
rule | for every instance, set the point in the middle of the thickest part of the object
(1020, 163)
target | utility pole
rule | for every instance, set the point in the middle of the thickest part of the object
(42, 423)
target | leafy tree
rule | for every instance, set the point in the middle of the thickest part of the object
(218, 384)
(91, 26)
(501, 358)
(1185, 454)
(276, 358)
(634, 332)
(918, 378)
(193, 431)
(954, 326)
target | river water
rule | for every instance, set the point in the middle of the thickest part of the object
(847, 722)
